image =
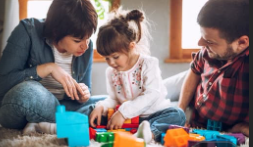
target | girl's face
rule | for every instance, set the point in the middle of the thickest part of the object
(73, 45)
(121, 61)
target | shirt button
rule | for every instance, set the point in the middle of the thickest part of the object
(30, 65)
(210, 83)
(73, 72)
(31, 77)
(218, 71)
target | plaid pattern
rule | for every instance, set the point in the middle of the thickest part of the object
(223, 93)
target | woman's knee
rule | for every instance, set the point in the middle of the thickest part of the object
(25, 93)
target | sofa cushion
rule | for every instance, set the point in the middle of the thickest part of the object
(173, 85)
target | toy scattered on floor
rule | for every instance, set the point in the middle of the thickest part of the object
(130, 125)
(75, 127)
(72, 125)
(119, 139)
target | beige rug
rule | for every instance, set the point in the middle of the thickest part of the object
(14, 138)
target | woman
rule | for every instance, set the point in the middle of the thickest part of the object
(47, 63)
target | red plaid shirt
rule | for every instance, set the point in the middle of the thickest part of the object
(223, 93)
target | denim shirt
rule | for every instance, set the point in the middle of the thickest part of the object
(27, 48)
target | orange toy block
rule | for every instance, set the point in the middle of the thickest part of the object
(118, 130)
(196, 137)
(176, 138)
(124, 139)
(110, 113)
(127, 121)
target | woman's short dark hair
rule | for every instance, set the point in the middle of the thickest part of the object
(77, 18)
(230, 17)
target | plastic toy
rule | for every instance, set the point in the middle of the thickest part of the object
(72, 125)
(214, 125)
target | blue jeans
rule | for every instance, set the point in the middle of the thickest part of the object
(29, 101)
(161, 120)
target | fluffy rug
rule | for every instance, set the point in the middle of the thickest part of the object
(14, 138)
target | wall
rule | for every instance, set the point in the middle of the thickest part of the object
(157, 11)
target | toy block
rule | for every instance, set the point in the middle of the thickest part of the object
(135, 120)
(110, 113)
(100, 127)
(176, 137)
(118, 130)
(130, 126)
(92, 133)
(133, 131)
(105, 137)
(101, 130)
(176, 127)
(124, 139)
(214, 125)
(239, 136)
(162, 138)
(72, 125)
(208, 134)
(229, 138)
(127, 121)
(196, 137)
(116, 108)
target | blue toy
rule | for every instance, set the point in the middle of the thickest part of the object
(72, 125)
(214, 125)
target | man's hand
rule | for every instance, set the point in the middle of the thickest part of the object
(116, 121)
(96, 114)
(84, 97)
(241, 128)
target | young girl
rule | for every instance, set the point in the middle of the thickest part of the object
(133, 79)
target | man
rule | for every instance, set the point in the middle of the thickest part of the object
(218, 83)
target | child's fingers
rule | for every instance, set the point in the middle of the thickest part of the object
(99, 120)
(92, 121)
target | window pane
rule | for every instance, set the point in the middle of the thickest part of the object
(38, 9)
(105, 5)
(190, 27)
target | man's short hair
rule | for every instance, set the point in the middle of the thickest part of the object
(230, 17)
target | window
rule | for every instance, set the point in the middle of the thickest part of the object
(184, 30)
(39, 8)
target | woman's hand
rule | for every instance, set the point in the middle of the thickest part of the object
(71, 87)
(86, 93)
(96, 114)
(116, 121)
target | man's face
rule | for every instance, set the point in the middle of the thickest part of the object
(217, 47)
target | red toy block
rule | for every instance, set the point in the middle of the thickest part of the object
(100, 127)
(92, 133)
(135, 120)
(130, 126)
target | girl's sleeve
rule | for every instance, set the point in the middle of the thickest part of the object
(13, 63)
(111, 101)
(152, 82)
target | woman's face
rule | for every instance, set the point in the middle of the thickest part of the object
(73, 45)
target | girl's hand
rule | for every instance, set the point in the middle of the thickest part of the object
(116, 121)
(96, 114)
(69, 84)
(86, 93)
